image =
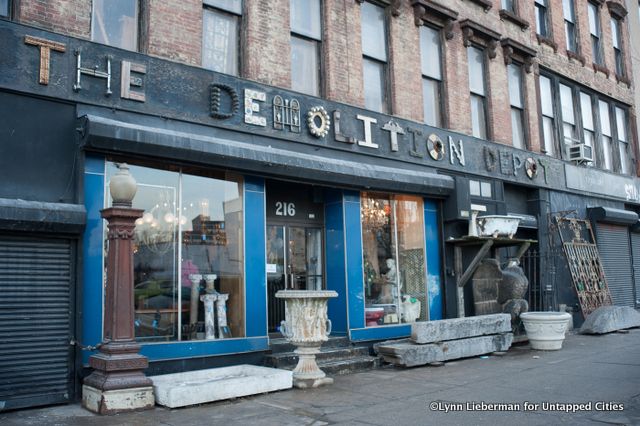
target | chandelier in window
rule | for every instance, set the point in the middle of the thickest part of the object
(156, 229)
(375, 213)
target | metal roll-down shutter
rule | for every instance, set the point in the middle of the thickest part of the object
(635, 250)
(615, 252)
(35, 321)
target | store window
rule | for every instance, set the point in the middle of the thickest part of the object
(221, 35)
(187, 244)
(393, 258)
(596, 35)
(115, 22)
(616, 34)
(476, 60)
(374, 51)
(306, 38)
(516, 98)
(542, 18)
(569, 13)
(431, 54)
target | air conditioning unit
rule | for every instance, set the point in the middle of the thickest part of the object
(580, 152)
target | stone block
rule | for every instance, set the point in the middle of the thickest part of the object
(460, 328)
(410, 354)
(117, 401)
(606, 319)
(215, 384)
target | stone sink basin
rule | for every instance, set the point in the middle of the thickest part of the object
(497, 226)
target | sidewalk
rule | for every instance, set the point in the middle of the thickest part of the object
(589, 369)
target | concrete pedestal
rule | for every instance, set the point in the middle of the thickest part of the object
(117, 401)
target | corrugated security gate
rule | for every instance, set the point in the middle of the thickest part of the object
(615, 252)
(635, 250)
(36, 277)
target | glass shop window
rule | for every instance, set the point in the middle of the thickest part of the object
(187, 245)
(394, 258)
(221, 35)
(115, 22)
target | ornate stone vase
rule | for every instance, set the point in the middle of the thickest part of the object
(306, 326)
(545, 330)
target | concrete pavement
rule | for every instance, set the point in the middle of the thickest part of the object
(600, 372)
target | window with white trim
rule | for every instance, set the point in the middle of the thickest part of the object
(477, 87)
(375, 58)
(221, 36)
(430, 53)
(306, 39)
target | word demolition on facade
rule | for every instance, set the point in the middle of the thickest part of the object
(225, 104)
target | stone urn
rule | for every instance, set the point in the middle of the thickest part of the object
(545, 330)
(306, 326)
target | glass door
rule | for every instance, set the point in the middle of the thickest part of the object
(294, 262)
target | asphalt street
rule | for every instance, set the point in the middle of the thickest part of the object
(593, 380)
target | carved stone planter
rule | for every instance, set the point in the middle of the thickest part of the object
(306, 326)
(545, 330)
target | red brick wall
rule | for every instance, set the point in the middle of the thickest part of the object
(267, 52)
(69, 17)
(175, 30)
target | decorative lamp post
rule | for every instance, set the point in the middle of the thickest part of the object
(118, 383)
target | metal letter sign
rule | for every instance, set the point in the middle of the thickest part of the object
(46, 46)
(286, 113)
(93, 72)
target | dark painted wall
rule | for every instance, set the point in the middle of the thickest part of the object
(37, 149)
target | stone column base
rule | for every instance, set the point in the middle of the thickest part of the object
(117, 401)
(311, 383)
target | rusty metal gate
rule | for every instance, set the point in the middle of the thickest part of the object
(584, 263)
(36, 277)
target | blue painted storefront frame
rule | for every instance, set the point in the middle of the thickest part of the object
(355, 272)
(255, 275)
(344, 271)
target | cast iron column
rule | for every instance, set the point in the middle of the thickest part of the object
(118, 374)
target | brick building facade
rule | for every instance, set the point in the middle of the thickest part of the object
(363, 131)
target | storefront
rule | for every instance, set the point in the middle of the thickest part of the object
(248, 189)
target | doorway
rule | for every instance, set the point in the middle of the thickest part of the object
(294, 244)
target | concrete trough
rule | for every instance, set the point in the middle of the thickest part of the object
(409, 354)
(215, 384)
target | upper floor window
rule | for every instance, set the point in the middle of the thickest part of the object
(5, 8)
(221, 35)
(542, 17)
(516, 99)
(476, 59)
(306, 36)
(616, 35)
(569, 12)
(374, 62)
(115, 22)
(596, 34)
(509, 6)
(548, 116)
(430, 53)
(580, 116)
(622, 139)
